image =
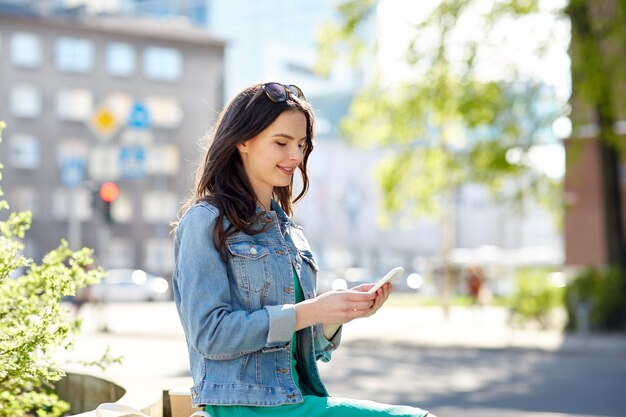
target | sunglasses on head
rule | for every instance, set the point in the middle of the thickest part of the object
(277, 92)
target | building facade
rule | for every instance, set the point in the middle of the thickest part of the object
(94, 100)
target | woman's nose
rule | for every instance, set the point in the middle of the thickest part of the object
(297, 153)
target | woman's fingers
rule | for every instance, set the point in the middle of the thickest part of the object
(381, 296)
(363, 305)
(347, 305)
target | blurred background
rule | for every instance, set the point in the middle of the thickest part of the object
(479, 144)
(441, 142)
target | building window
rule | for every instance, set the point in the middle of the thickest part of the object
(119, 104)
(74, 55)
(120, 59)
(159, 206)
(26, 50)
(24, 152)
(162, 159)
(164, 111)
(25, 101)
(162, 64)
(75, 104)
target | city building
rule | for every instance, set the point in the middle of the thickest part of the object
(89, 100)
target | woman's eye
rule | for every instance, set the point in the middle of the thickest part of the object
(302, 145)
(281, 143)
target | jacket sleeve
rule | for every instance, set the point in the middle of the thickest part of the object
(202, 296)
(324, 348)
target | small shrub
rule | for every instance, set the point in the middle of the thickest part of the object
(535, 298)
(603, 290)
(33, 324)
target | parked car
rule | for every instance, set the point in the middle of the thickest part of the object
(130, 285)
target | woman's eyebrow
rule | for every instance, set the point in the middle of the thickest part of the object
(286, 136)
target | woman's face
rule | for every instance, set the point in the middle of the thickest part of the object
(270, 159)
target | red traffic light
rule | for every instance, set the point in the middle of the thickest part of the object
(109, 192)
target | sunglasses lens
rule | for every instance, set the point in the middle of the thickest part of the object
(276, 92)
(295, 90)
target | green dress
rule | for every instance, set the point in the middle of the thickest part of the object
(314, 406)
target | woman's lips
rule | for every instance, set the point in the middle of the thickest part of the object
(287, 171)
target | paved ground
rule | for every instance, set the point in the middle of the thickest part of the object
(468, 364)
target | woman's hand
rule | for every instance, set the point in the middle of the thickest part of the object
(337, 307)
(334, 307)
(381, 296)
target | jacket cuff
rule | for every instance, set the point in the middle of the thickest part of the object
(282, 320)
(323, 347)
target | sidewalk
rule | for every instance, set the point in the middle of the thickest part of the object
(484, 368)
(150, 337)
(474, 327)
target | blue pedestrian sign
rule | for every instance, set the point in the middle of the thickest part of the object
(139, 117)
(72, 172)
(132, 162)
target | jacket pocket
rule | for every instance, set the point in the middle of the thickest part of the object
(250, 263)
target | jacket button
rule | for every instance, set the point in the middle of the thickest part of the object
(280, 252)
(288, 290)
(282, 370)
(253, 251)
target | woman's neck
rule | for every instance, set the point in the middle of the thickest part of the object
(265, 203)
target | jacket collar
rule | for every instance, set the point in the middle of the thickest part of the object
(283, 220)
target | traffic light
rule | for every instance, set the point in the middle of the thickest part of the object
(108, 194)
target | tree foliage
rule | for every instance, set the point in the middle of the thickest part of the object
(446, 122)
(599, 77)
(33, 324)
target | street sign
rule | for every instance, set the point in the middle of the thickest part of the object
(72, 172)
(132, 161)
(104, 123)
(139, 117)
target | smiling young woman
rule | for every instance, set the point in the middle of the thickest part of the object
(245, 276)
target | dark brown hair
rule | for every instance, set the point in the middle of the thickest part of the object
(221, 179)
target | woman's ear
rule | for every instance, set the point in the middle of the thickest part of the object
(243, 147)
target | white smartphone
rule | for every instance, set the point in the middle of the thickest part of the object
(393, 274)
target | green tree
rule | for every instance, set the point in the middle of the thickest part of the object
(598, 52)
(446, 122)
(33, 324)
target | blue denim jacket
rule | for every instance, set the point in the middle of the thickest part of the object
(239, 316)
